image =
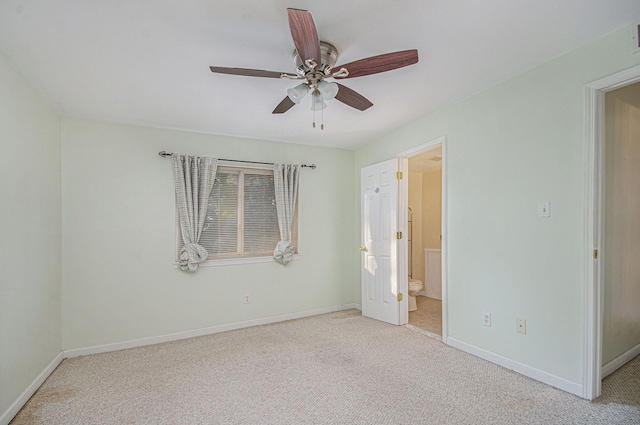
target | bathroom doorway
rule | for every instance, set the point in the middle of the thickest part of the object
(424, 240)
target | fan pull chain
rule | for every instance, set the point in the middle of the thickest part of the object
(313, 108)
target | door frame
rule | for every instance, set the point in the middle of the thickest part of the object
(593, 302)
(403, 204)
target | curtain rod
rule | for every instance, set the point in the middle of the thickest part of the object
(165, 154)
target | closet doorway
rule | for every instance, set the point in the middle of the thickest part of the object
(611, 154)
(621, 229)
(424, 204)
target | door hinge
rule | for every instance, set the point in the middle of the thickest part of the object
(399, 296)
(399, 235)
(595, 254)
(399, 175)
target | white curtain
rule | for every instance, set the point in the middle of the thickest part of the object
(193, 177)
(285, 181)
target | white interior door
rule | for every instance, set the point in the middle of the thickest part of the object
(380, 277)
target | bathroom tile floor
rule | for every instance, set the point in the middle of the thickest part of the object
(428, 316)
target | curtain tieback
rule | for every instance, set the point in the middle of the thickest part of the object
(283, 252)
(191, 255)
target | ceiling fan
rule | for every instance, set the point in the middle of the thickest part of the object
(315, 62)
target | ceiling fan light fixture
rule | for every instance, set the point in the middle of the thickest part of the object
(317, 104)
(328, 90)
(297, 93)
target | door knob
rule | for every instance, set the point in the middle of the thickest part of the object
(363, 248)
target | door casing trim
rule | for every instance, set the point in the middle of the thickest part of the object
(403, 203)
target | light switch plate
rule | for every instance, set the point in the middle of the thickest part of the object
(544, 209)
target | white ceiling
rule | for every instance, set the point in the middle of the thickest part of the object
(146, 62)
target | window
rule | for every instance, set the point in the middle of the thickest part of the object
(241, 219)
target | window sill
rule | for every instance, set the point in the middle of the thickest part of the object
(234, 261)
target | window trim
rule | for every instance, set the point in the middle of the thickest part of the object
(231, 259)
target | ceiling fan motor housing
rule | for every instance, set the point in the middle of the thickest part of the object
(328, 58)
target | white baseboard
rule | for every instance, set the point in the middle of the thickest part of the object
(201, 332)
(31, 389)
(537, 374)
(620, 361)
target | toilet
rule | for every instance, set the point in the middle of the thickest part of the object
(415, 286)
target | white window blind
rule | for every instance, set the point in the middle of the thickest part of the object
(261, 232)
(241, 216)
(220, 231)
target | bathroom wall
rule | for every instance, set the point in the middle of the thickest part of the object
(432, 209)
(425, 200)
(415, 203)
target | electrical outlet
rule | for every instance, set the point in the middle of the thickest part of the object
(521, 326)
(486, 319)
(247, 298)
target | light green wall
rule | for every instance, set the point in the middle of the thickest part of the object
(30, 236)
(510, 148)
(119, 237)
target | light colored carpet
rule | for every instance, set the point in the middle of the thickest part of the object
(338, 368)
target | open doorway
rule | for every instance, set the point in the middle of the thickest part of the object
(424, 238)
(621, 230)
(423, 199)
(605, 347)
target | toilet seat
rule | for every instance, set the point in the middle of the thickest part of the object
(415, 284)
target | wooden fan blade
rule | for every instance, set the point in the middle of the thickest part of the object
(380, 63)
(284, 106)
(352, 98)
(246, 72)
(304, 34)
